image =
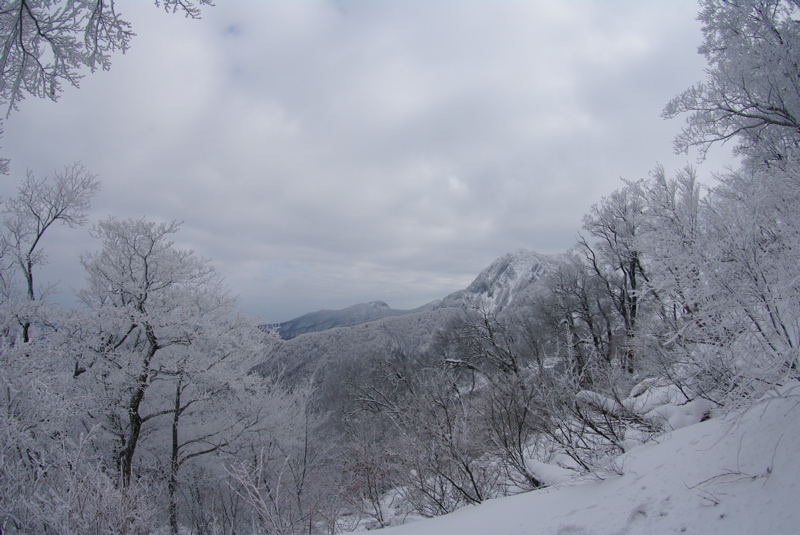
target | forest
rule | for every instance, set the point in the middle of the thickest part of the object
(152, 407)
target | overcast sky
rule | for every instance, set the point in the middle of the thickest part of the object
(324, 153)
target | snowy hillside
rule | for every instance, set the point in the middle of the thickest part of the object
(733, 475)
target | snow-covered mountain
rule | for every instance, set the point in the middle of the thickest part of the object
(316, 341)
(323, 320)
(505, 282)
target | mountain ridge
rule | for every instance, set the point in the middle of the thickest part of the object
(497, 287)
(325, 319)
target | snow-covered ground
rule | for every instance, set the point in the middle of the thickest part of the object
(732, 475)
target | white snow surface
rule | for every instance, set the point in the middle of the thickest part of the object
(732, 475)
(549, 474)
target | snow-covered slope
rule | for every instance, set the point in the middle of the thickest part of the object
(737, 475)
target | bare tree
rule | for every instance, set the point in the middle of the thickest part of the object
(38, 205)
(45, 44)
(148, 299)
(615, 259)
(286, 476)
(752, 91)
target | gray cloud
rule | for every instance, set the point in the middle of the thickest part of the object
(324, 153)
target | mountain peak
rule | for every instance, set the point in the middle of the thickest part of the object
(505, 279)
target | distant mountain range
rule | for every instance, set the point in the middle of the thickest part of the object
(498, 286)
(320, 343)
(322, 320)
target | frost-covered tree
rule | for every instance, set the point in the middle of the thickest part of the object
(752, 91)
(46, 44)
(672, 236)
(38, 205)
(578, 318)
(756, 277)
(287, 476)
(435, 456)
(155, 314)
(616, 261)
(504, 355)
(732, 270)
(162, 358)
(723, 270)
(208, 401)
(52, 479)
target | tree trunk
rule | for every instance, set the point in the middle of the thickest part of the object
(172, 486)
(134, 418)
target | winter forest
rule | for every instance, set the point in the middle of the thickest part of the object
(155, 406)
